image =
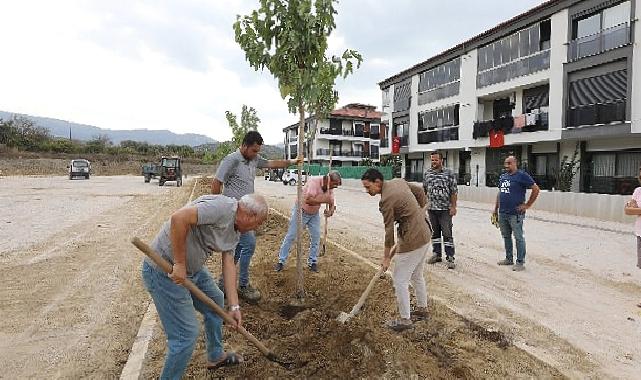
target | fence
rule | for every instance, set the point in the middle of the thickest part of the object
(353, 172)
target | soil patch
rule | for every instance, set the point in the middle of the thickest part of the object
(445, 346)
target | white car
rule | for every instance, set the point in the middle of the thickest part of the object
(290, 177)
(79, 168)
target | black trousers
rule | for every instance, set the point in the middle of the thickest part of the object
(442, 227)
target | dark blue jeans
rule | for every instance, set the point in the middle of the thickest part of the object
(513, 225)
(244, 252)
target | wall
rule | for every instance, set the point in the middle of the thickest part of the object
(599, 206)
(558, 56)
(636, 72)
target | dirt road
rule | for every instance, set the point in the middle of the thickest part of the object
(574, 306)
(71, 298)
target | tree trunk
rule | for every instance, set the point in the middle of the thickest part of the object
(299, 214)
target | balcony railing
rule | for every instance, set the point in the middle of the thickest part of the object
(348, 133)
(439, 135)
(384, 143)
(598, 43)
(596, 114)
(293, 138)
(413, 177)
(341, 153)
(506, 124)
(405, 141)
(524, 66)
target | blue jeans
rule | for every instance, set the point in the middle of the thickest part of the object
(244, 252)
(176, 308)
(313, 223)
(513, 224)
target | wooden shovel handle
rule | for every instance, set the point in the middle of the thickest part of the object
(166, 267)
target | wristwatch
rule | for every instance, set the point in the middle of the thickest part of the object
(234, 307)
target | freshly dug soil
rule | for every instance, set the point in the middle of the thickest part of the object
(445, 346)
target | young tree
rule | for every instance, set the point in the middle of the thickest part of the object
(248, 122)
(289, 38)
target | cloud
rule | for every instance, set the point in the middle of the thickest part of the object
(174, 64)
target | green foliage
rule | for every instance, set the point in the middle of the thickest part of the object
(248, 122)
(289, 38)
(567, 171)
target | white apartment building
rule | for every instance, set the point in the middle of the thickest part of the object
(556, 78)
(349, 135)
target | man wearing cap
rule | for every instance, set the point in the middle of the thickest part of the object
(316, 192)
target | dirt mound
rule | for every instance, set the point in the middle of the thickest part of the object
(445, 346)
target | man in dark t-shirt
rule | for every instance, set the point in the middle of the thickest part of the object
(510, 206)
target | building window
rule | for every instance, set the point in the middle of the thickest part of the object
(535, 98)
(612, 172)
(438, 125)
(598, 100)
(402, 96)
(599, 32)
(522, 53)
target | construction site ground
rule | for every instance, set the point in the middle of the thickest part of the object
(72, 298)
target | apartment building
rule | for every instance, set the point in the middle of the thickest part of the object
(349, 135)
(555, 79)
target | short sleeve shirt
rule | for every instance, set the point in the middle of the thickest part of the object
(439, 187)
(314, 187)
(512, 189)
(214, 232)
(237, 174)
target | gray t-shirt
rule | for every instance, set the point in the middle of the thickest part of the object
(237, 174)
(214, 232)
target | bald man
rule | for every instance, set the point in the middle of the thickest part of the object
(511, 206)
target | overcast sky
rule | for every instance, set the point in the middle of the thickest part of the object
(174, 64)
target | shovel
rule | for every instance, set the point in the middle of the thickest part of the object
(167, 268)
(323, 248)
(343, 316)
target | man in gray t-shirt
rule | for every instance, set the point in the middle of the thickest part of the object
(211, 223)
(235, 178)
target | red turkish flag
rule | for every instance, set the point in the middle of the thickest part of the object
(396, 145)
(497, 138)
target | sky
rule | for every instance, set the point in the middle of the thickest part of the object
(174, 64)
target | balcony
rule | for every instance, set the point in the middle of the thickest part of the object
(439, 135)
(405, 141)
(384, 143)
(598, 43)
(340, 153)
(506, 124)
(595, 114)
(293, 138)
(515, 69)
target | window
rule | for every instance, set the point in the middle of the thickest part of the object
(605, 30)
(535, 98)
(617, 15)
(546, 33)
(588, 26)
(439, 118)
(439, 76)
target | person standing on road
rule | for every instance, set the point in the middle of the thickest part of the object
(403, 204)
(632, 208)
(235, 178)
(511, 207)
(318, 190)
(211, 223)
(440, 187)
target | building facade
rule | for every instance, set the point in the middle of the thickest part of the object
(349, 135)
(550, 82)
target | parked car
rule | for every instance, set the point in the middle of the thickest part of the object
(79, 168)
(290, 177)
